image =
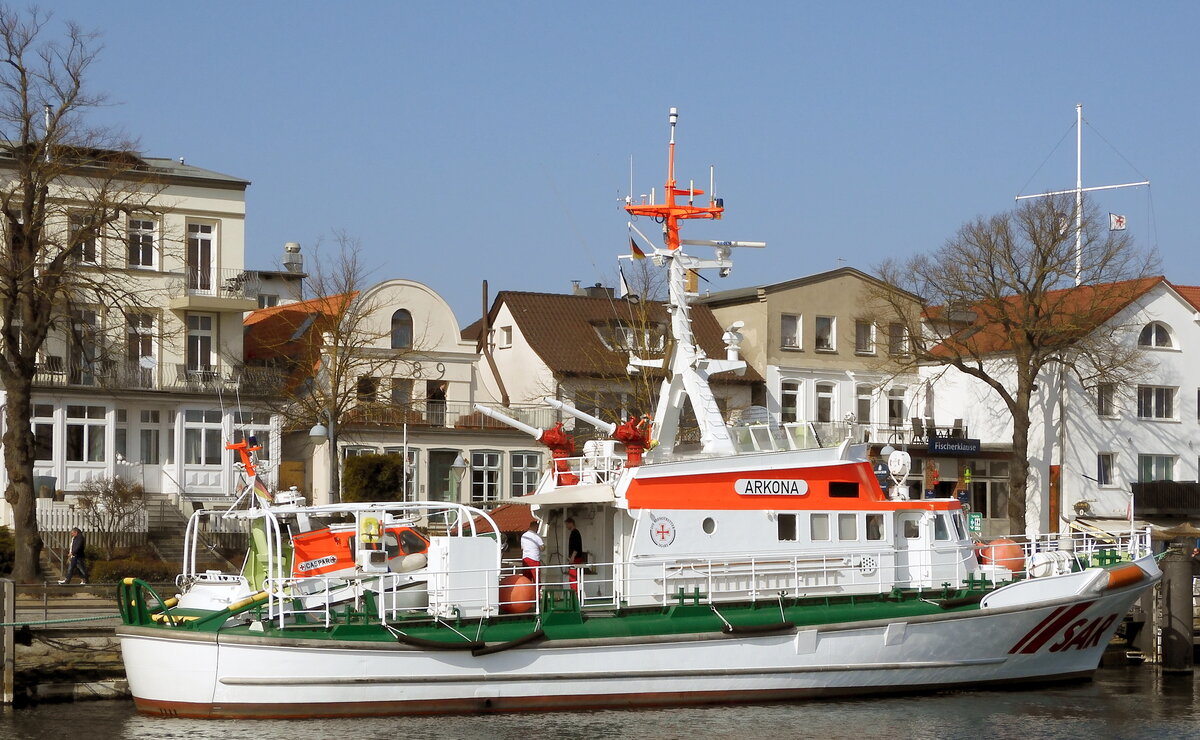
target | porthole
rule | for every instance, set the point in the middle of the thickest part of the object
(709, 525)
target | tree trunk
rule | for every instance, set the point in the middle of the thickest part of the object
(20, 494)
(1018, 472)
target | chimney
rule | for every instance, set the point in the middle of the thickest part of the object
(293, 261)
(598, 291)
(575, 289)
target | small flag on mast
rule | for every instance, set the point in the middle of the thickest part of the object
(624, 290)
(633, 248)
(1116, 222)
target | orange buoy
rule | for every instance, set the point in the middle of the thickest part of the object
(517, 595)
(1003, 552)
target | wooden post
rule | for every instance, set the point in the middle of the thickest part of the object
(8, 649)
(1177, 619)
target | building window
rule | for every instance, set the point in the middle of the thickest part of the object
(402, 390)
(1155, 334)
(862, 406)
(1156, 467)
(504, 335)
(826, 334)
(255, 424)
(83, 238)
(825, 405)
(202, 437)
(358, 451)
(1104, 469)
(367, 388)
(789, 331)
(200, 257)
(141, 243)
(43, 432)
(485, 476)
(139, 349)
(411, 469)
(149, 437)
(402, 329)
(864, 337)
(85, 433)
(989, 488)
(267, 300)
(1155, 402)
(789, 401)
(1106, 394)
(897, 339)
(526, 471)
(199, 341)
(896, 407)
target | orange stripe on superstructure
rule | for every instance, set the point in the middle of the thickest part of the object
(716, 490)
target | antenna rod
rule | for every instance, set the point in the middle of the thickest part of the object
(1078, 192)
(712, 190)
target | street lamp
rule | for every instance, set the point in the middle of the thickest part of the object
(457, 468)
(321, 433)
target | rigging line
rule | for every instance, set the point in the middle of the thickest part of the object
(1115, 150)
(1047, 159)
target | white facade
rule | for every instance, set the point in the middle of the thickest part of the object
(1112, 437)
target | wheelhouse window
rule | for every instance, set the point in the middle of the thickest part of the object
(826, 334)
(1155, 402)
(1155, 334)
(787, 527)
(789, 331)
(818, 527)
(847, 527)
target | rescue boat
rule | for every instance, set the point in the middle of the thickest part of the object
(753, 565)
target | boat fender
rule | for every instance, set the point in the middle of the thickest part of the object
(757, 629)
(421, 642)
(1126, 575)
(500, 647)
(961, 601)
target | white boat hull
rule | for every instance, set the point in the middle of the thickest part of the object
(254, 676)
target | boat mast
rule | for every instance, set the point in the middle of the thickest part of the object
(689, 367)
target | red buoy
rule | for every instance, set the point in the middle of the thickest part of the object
(1003, 552)
(517, 595)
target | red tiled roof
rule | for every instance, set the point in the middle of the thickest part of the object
(1068, 314)
(561, 329)
(291, 330)
(509, 517)
(1190, 293)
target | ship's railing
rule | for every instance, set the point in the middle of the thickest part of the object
(600, 467)
(393, 597)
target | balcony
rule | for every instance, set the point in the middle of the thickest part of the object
(445, 415)
(214, 290)
(112, 375)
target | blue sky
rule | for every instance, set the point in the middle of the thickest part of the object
(463, 141)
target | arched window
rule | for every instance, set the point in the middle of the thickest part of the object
(1155, 334)
(402, 329)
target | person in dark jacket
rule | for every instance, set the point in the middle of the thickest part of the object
(77, 565)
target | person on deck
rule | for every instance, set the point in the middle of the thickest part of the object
(532, 545)
(575, 553)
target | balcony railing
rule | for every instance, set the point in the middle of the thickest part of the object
(199, 281)
(156, 376)
(446, 414)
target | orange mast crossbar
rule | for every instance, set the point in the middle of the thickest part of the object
(670, 213)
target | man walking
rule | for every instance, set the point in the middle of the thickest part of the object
(77, 547)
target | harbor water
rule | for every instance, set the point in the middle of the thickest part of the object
(1134, 702)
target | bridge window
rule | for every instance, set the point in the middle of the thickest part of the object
(787, 527)
(874, 526)
(819, 527)
(843, 489)
(847, 526)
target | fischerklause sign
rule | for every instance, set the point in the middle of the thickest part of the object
(953, 446)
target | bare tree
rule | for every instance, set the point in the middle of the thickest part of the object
(336, 349)
(64, 189)
(1000, 302)
(110, 506)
